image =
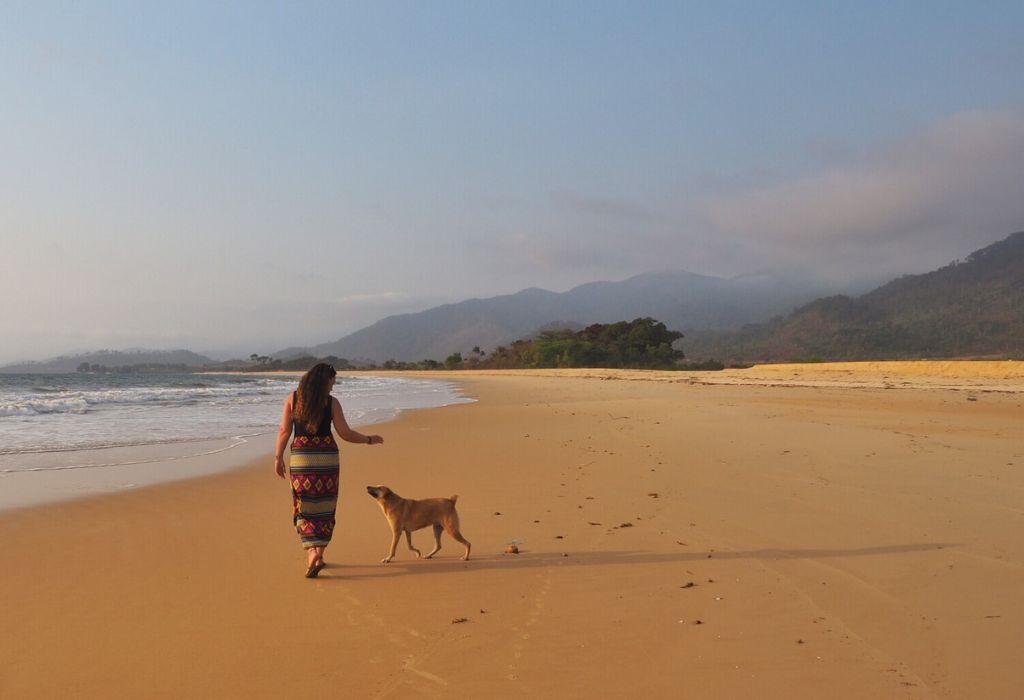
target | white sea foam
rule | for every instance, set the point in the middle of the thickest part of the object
(37, 406)
(72, 413)
(56, 401)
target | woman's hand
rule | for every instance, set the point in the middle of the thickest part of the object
(374, 440)
(280, 468)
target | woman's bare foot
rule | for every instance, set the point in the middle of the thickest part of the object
(314, 561)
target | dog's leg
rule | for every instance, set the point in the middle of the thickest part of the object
(451, 526)
(437, 540)
(408, 540)
(459, 538)
(396, 533)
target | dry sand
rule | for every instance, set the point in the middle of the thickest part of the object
(800, 535)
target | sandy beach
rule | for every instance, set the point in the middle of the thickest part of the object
(788, 532)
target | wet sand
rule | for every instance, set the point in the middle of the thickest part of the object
(805, 532)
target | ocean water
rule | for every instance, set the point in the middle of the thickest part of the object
(63, 435)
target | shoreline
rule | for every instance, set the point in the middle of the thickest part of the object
(138, 467)
(717, 540)
(36, 477)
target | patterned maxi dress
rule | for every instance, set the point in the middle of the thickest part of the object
(314, 476)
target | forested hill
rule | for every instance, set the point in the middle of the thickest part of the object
(969, 308)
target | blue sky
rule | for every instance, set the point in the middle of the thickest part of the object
(246, 176)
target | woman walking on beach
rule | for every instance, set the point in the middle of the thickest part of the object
(309, 413)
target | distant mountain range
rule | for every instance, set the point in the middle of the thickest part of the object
(679, 299)
(111, 359)
(970, 308)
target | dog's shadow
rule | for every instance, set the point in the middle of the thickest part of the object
(531, 560)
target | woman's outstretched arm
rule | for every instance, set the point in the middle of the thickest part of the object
(345, 432)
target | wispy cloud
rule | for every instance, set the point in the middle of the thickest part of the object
(374, 298)
(902, 206)
(957, 182)
(604, 209)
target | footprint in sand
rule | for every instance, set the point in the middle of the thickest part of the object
(524, 634)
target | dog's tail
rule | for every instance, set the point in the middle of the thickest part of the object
(454, 498)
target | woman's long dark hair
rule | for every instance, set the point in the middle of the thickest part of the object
(313, 396)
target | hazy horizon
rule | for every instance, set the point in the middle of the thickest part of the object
(245, 177)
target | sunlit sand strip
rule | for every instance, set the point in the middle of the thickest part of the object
(962, 375)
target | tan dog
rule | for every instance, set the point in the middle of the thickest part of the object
(406, 515)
